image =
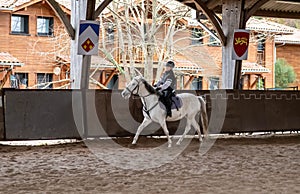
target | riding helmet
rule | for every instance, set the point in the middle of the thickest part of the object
(170, 64)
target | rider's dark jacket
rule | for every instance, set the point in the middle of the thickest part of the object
(167, 81)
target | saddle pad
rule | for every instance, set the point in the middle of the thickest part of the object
(176, 103)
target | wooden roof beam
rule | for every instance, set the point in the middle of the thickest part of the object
(213, 18)
(187, 1)
(254, 8)
(63, 17)
(101, 7)
(277, 14)
(211, 4)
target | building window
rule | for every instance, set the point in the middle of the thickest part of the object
(19, 24)
(44, 80)
(113, 84)
(110, 33)
(213, 41)
(22, 80)
(45, 26)
(13, 81)
(214, 83)
(197, 83)
(261, 49)
(197, 36)
(19, 80)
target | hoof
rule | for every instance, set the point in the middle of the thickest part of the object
(178, 143)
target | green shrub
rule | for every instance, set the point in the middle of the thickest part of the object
(284, 73)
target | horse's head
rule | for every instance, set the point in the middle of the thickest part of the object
(133, 86)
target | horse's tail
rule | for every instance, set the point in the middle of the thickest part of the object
(204, 118)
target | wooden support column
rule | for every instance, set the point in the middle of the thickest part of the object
(103, 77)
(79, 12)
(238, 63)
(78, 9)
(90, 13)
(233, 15)
(85, 76)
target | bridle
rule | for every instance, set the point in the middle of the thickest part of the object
(137, 87)
(136, 95)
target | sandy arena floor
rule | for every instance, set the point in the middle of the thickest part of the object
(232, 165)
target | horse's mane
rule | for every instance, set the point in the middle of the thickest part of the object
(148, 87)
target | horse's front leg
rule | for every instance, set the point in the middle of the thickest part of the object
(144, 124)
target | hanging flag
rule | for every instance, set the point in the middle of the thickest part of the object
(88, 39)
(240, 44)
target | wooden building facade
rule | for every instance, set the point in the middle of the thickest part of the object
(33, 36)
(31, 33)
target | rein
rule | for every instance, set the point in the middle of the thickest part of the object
(136, 94)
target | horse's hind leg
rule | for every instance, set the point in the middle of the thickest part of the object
(164, 126)
(144, 124)
(197, 127)
(186, 130)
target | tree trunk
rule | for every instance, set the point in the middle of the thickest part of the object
(149, 62)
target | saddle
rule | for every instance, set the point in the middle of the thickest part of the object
(176, 102)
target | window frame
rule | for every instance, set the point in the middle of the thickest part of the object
(26, 25)
(51, 26)
(213, 80)
(110, 32)
(45, 75)
(212, 40)
(194, 36)
(197, 83)
(22, 78)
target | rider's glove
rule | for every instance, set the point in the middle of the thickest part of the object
(158, 88)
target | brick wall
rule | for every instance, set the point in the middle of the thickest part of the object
(290, 52)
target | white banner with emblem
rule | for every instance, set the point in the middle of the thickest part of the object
(88, 39)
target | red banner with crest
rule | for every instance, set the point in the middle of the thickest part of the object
(240, 44)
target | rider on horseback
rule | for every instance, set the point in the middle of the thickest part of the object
(166, 86)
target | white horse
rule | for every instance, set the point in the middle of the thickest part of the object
(191, 105)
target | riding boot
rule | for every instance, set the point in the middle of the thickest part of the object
(168, 107)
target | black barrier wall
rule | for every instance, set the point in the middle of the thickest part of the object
(38, 114)
(1, 117)
(53, 114)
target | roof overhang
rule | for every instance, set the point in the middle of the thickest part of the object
(254, 68)
(272, 8)
(6, 9)
(188, 68)
(11, 64)
(288, 39)
(6, 59)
